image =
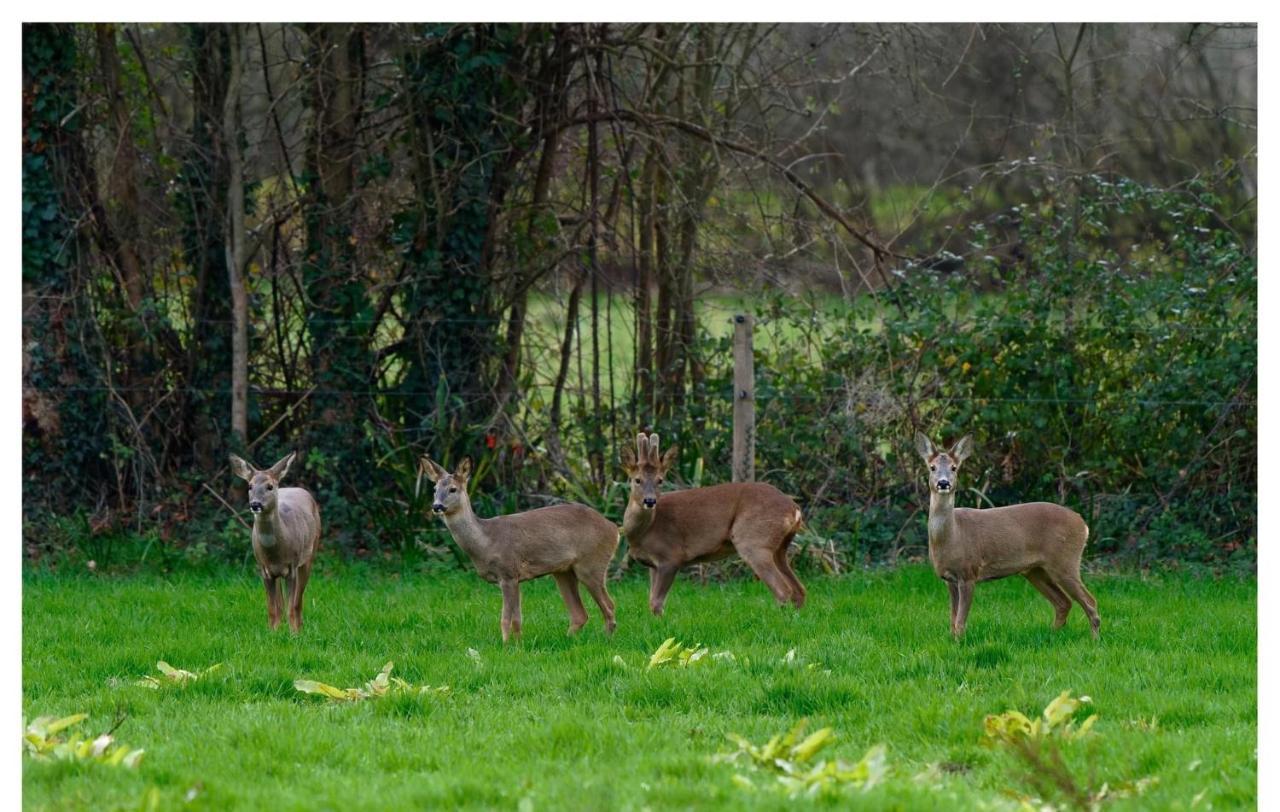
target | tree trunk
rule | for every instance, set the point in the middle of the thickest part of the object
(339, 320)
(122, 183)
(236, 258)
(644, 291)
(554, 445)
(204, 227)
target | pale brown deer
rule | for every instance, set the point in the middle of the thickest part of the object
(569, 542)
(671, 530)
(1040, 541)
(286, 532)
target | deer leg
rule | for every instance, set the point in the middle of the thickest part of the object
(290, 593)
(296, 586)
(955, 602)
(273, 599)
(763, 565)
(1052, 593)
(568, 583)
(964, 592)
(1073, 586)
(595, 585)
(660, 580)
(797, 589)
(510, 609)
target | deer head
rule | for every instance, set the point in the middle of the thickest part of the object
(263, 485)
(451, 489)
(943, 465)
(646, 469)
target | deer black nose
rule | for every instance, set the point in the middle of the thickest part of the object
(438, 507)
(650, 502)
(944, 485)
(256, 507)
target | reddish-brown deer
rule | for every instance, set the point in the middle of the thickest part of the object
(1041, 541)
(286, 532)
(671, 530)
(570, 542)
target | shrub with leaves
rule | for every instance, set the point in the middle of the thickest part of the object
(789, 760)
(382, 685)
(1037, 746)
(675, 654)
(174, 676)
(1012, 727)
(43, 740)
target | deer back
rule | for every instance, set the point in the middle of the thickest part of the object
(700, 524)
(995, 542)
(548, 539)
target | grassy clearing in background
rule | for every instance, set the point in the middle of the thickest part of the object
(557, 723)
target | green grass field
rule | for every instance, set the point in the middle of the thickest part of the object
(556, 723)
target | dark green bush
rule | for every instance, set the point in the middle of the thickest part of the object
(1116, 375)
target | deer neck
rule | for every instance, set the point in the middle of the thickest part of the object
(942, 518)
(266, 527)
(636, 521)
(466, 529)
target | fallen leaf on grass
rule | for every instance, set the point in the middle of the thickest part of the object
(174, 676)
(41, 740)
(382, 685)
(677, 655)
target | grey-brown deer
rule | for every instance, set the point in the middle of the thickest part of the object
(286, 532)
(570, 542)
(668, 531)
(1040, 541)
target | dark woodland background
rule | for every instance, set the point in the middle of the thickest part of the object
(523, 242)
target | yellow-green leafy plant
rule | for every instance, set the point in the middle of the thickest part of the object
(174, 676)
(674, 654)
(1037, 745)
(44, 739)
(1057, 720)
(382, 685)
(790, 760)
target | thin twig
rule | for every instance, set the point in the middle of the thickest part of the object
(205, 485)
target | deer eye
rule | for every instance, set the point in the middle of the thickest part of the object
(933, 467)
(638, 482)
(660, 480)
(453, 489)
(271, 487)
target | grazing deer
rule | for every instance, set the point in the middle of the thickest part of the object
(753, 519)
(286, 532)
(1041, 541)
(570, 542)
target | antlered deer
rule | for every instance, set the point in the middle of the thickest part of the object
(1041, 541)
(753, 519)
(286, 532)
(570, 542)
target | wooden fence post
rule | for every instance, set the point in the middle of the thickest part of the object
(744, 401)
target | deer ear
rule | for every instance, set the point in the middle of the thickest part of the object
(628, 459)
(924, 446)
(280, 468)
(653, 449)
(240, 468)
(434, 471)
(962, 449)
(464, 468)
(669, 458)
